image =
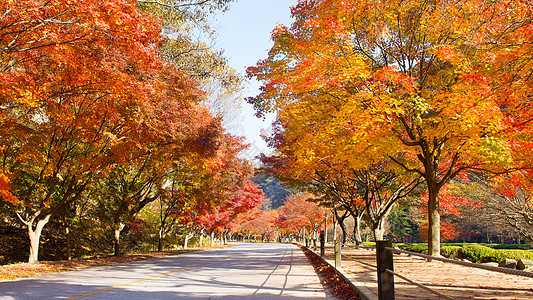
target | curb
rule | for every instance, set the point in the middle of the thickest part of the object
(364, 292)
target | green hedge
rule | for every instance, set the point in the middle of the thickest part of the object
(510, 246)
(482, 254)
(418, 248)
(473, 252)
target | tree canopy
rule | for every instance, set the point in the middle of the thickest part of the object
(438, 87)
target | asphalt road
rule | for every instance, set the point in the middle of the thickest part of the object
(246, 271)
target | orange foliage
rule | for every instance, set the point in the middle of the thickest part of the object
(5, 189)
(447, 232)
(299, 212)
(354, 82)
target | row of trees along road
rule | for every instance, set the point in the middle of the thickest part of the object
(298, 218)
(411, 93)
(104, 111)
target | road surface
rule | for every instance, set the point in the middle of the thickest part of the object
(245, 271)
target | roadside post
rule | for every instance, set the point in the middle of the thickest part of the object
(322, 243)
(385, 279)
(338, 243)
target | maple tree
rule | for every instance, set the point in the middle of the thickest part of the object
(263, 225)
(95, 109)
(381, 190)
(174, 203)
(234, 211)
(513, 203)
(84, 90)
(342, 193)
(447, 233)
(502, 204)
(223, 193)
(194, 55)
(299, 215)
(176, 135)
(328, 178)
(438, 87)
(373, 190)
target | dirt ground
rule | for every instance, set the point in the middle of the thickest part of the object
(455, 281)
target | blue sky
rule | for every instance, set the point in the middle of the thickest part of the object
(244, 34)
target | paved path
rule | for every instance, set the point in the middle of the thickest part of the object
(246, 271)
(455, 281)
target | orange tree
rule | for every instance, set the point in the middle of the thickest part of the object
(262, 224)
(505, 200)
(227, 216)
(223, 192)
(438, 87)
(176, 135)
(327, 178)
(381, 190)
(299, 215)
(373, 189)
(77, 80)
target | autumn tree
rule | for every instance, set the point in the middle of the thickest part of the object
(175, 130)
(176, 200)
(504, 202)
(300, 215)
(222, 190)
(188, 45)
(438, 87)
(381, 190)
(327, 178)
(239, 208)
(78, 80)
(263, 225)
(341, 193)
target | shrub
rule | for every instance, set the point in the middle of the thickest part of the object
(473, 252)
(482, 254)
(450, 251)
(478, 254)
(446, 251)
(511, 246)
(418, 248)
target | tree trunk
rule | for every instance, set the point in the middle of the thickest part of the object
(340, 220)
(160, 238)
(334, 229)
(189, 236)
(117, 242)
(326, 229)
(379, 230)
(357, 230)
(35, 236)
(434, 223)
(118, 230)
(67, 233)
(344, 232)
(160, 244)
(212, 238)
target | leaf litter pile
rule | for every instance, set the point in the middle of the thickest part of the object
(329, 278)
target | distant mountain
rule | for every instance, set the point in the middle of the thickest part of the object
(274, 190)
